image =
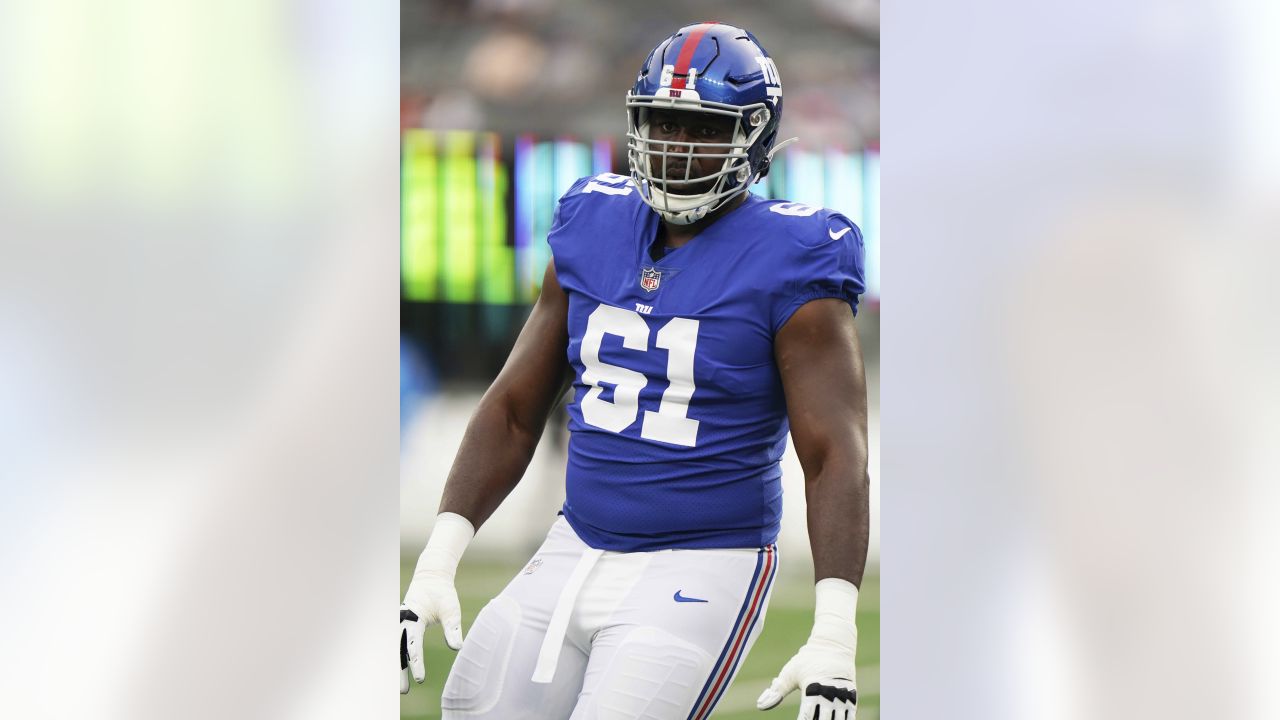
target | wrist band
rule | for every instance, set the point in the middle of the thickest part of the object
(835, 611)
(449, 539)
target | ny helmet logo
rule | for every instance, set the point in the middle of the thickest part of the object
(649, 279)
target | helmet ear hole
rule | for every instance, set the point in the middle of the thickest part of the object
(764, 168)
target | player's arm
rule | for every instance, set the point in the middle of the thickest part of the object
(820, 363)
(503, 433)
(495, 451)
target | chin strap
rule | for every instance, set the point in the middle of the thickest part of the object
(779, 146)
(768, 159)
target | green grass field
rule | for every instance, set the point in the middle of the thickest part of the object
(787, 624)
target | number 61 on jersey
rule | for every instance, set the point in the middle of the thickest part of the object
(679, 337)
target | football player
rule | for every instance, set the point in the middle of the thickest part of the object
(695, 324)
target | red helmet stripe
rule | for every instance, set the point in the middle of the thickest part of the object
(686, 54)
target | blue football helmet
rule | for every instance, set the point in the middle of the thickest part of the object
(708, 68)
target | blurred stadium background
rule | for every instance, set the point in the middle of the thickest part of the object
(503, 104)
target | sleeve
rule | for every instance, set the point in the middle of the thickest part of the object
(563, 250)
(833, 268)
(566, 206)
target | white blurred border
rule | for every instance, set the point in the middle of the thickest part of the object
(1079, 382)
(199, 321)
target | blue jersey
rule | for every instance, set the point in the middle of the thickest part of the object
(678, 420)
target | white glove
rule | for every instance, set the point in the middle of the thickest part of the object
(431, 597)
(824, 666)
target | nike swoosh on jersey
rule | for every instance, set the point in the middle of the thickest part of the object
(680, 598)
(836, 235)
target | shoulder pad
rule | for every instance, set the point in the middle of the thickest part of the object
(602, 185)
(810, 225)
(605, 187)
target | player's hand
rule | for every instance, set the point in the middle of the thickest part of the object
(432, 599)
(824, 671)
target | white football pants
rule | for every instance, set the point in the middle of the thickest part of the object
(585, 634)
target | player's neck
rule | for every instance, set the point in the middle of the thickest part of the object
(674, 236)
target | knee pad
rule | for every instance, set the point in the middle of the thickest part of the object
(475, 682)
(654, 676)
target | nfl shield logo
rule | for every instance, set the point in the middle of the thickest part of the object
(649, 279)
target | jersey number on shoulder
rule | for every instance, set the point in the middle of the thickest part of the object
(609, 184)
(794, 209)
(679, 337)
